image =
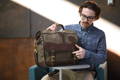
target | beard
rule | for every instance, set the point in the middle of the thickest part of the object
(85, 24)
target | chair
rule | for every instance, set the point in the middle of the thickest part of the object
(102, 71)
(37, 72)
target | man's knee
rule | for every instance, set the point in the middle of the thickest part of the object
(46, 77)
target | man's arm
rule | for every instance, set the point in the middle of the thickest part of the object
(97, 57)
(100, 56)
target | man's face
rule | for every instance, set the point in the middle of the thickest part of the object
(87, 17)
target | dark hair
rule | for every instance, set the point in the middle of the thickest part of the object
(91, 5)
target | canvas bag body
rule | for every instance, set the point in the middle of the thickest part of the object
(54, 48)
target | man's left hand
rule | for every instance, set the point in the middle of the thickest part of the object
(80, 53)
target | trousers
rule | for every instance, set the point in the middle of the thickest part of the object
(71, 75)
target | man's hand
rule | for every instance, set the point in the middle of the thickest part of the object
(80, 53)
(52, 27)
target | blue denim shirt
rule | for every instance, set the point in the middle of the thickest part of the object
(93, 41)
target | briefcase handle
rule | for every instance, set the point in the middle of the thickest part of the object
(60, 25)
(38, 34)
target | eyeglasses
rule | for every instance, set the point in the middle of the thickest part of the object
(83, 17)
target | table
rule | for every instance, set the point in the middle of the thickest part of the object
(70, 67)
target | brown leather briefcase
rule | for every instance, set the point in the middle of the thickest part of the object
(54, 48)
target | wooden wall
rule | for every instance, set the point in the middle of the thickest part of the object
(113, 66)
(16, 56)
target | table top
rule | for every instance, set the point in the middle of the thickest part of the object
(84, 66)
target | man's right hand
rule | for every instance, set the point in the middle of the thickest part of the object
(53, 27)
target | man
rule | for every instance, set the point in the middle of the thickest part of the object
(92, 42)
